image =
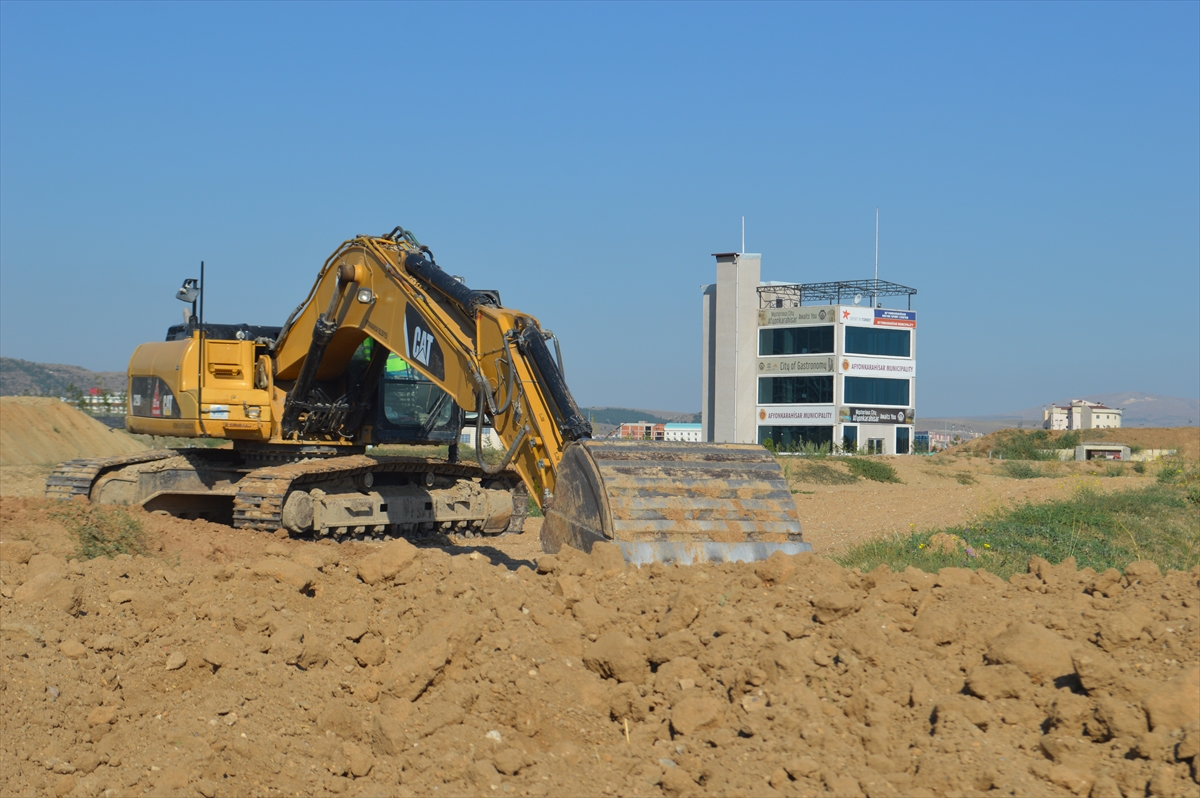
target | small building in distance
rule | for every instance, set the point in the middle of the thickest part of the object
(490, 439)
(643, 431)
(686, 433)
(937, 440)
(1081, 414)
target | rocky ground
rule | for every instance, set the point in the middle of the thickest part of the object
(225, 663)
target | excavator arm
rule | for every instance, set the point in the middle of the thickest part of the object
(657, 501)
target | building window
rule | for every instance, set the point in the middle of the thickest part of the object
(796, 341)
(795, 390)
(875, 391)
(877, 341)
(850, 438)
(790, 439)
(874, 445)
(902, 440)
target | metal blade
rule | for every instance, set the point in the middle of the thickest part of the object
(673, 502)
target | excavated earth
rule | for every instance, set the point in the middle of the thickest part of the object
(225, 663)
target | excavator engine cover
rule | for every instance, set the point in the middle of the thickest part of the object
(673, 502)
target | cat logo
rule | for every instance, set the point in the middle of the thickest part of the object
(422, 342)
(423, 347)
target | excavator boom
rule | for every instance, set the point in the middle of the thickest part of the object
(657, 501)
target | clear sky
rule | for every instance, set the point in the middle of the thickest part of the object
(1036, 166)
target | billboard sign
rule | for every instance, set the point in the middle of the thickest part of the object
(878, 317)
(895, 318)
(878, 367)
(795, 365)
(771, 317)
(876, 415)
(796, 415)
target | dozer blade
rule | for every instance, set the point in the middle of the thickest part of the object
(673, 502)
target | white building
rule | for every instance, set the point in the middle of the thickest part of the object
(690, 433)
(490, 439)
(842, 373)
(1081, 414)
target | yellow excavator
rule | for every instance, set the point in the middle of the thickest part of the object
(387, 348)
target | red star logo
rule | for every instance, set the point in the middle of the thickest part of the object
(845, 314)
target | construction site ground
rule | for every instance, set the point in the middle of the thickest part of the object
(226, 663)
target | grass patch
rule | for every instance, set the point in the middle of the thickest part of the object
(102, 530)
(875, 470)
(1039, 444)
(532, 509)
(1018, 469)
(819, 474)
(965, 478)
(1100, 530)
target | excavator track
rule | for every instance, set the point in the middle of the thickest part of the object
(76, 477)
(258, 503)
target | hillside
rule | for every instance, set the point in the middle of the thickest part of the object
(1141, 410)
(615, 416)
(25, 378)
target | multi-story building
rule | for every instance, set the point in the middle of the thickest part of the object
(1081, 414)
(816, 364)
(643, 431)
(686, 432)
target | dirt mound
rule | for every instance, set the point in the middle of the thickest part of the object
(41, 430)
(314, 668)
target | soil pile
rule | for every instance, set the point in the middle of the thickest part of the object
(41, 430)
(279, 666)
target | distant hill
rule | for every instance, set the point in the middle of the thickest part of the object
(24, 378)
(615, 416)
(1140, 410)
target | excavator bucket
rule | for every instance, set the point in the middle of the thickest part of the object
(673, 502)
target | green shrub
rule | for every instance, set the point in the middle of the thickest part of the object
(1018, 469)
(964, 478)
(1114, 469)
(1036, 445)
(102, 531)
(875, 470)
(1139, 467)
(532, 509)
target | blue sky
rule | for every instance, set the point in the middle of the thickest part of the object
(1036, 166)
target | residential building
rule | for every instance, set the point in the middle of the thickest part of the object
(1081, 414)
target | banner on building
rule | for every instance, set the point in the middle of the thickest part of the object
(771, 317)
(878, 367)
(796, 415)
(895, 318)
(878, 317)
(876, 415)
(795, 365)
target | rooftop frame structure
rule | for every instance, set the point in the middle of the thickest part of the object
(796, 294)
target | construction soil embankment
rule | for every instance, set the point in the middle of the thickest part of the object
(226, 663)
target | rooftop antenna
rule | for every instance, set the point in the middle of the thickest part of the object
(875, 296)
(743, 235)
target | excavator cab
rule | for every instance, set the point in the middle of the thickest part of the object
(411, 409)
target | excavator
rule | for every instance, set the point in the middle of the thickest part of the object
(389, 349)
